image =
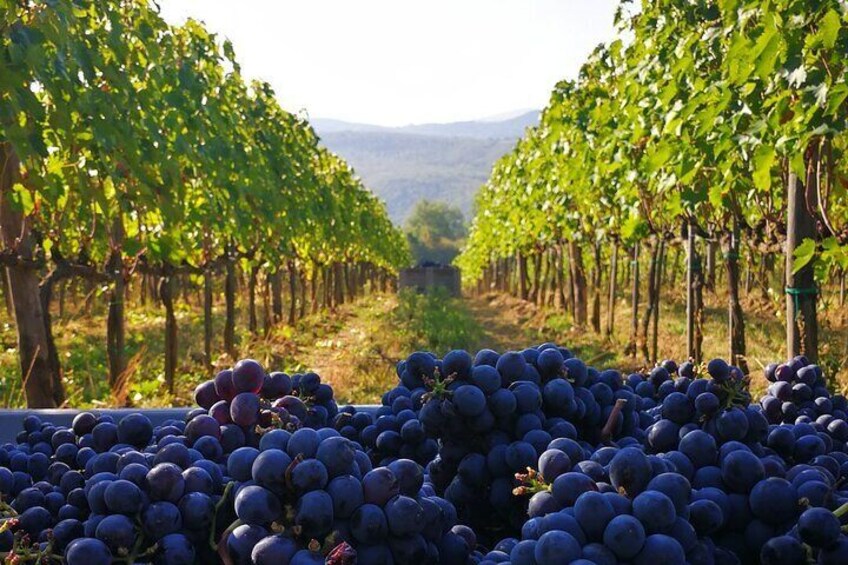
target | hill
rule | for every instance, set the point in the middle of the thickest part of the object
(445, 162)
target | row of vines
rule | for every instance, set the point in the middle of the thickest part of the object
(715, 127)
(135, 153)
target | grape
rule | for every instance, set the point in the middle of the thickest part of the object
(224, 386)
(83, 423)
(706, 516)
(718, 370)
(135, 429)
(368, 524)
(177, 550)
(655, 510)
(732, 424)
(244, 409)
(123, 497)
(699, 447)
(553, 463)
(65, 532)
(347, 495)
(818, 527)
(257, 505)
(205, 395)
(597, 554)
(593, 511)
(408, 549)
(314, 514)
(782, 550)
(409, 474)
(469, 400)
(379, 486)
(34, 520)
(404, 516)
(174, 453)
(569, 486)
(624, 536)
(276, 385)
(337, 455)
(309, 475)
(88, 551)
(675, 486)
(161, 519)
(576, 370)
(269, 470)
(556, 547)
(273, 550)
(201, 426)
(242, 540)
(248, 376)
(630, 471)
(117, 532)
(305, 442)
(197, 510)
(459, 363)
(660, 549)
(240, 463)
(774, 500)
(486, 378)
(836, 553)
(511, 366)
(690, 471)
(741, 470)
(165, 482)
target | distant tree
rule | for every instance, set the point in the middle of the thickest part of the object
(436, 231)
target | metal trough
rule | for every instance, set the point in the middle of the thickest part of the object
(11, 420)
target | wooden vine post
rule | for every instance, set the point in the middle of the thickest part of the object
(23, 286)
(611, 299)
(634, 300)
(735, 319)
(801, 323)
(690, 289)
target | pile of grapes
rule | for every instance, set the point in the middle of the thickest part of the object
(527, 457)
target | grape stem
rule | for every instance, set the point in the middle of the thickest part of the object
(222, 543)
(839, 512)
(438, 387)
(218, 507)
(531, 482)
(607, 431)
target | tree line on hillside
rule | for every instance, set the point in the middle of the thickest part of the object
(135, 155)
(715, 129)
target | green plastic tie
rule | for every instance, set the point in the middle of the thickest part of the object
(797, 292)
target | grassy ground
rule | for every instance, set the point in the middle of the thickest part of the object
(765, 334)
(356, 347)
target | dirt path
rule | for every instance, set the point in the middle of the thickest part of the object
(356, 349)
(503, 320)
(356, 353)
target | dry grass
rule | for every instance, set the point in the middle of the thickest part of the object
(765, 334)
(356, 347)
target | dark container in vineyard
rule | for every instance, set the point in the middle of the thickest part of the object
(426, 277)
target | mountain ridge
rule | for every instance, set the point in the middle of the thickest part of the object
(444, 162)
(490, 127)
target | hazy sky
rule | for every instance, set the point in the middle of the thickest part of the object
(395, 62)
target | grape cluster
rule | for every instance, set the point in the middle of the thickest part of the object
(244, 397)
(495, 414)
(797, 393)
(528, 457)
(303, 493)
(393, 432)
(100, 491)
(253, 474)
